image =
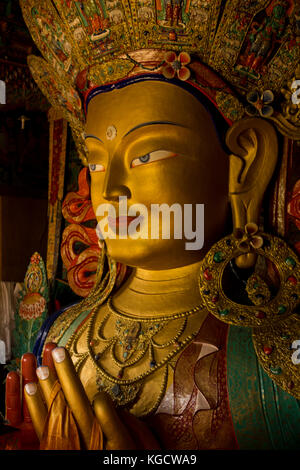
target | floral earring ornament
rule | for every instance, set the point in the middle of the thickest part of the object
(250, 240)
(259, 104)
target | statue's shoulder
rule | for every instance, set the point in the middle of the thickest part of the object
(59, 327)
(61, 324)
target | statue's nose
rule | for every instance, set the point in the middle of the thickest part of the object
(112, 193)
(115, 183)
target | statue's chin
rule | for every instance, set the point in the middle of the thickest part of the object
(152, 254)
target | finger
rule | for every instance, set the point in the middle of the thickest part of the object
(47, 378)
(13, 399)
(47, 356)
(28, 371)
(140, 432)
(36, 407)
(74, 393)
(117, 436)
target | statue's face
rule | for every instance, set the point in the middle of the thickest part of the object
(154, 143)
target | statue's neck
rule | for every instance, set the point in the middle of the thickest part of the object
(149, 292)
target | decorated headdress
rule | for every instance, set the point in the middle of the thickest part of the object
(243, 55)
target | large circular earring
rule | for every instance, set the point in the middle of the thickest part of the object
(241, 242)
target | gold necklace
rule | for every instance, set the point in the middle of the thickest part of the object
(134, 338)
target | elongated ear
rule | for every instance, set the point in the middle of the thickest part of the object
(254, 146)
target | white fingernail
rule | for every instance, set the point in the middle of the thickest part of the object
(42, 372)
(58, 354)
(31, 388)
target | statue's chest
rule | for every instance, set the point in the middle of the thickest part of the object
(131, 360)
(183, 398)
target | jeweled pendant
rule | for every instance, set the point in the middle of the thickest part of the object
(116, 390)
(292, 280)
(224, 312)
(218, 257)
(207, 275)
(281, 309)
(268, 350)
(260, 314)
(290, 262)
(276, 370)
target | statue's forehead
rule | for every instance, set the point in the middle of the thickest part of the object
(143, 102)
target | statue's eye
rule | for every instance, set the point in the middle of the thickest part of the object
(152, 157)
(94, 168)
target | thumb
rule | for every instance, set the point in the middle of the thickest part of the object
(116, 434)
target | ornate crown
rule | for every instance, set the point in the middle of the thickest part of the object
(252, 45)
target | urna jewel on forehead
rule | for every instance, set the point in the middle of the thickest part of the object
(242, 54)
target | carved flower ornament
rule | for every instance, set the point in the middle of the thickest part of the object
(176, 65)
(260, 104)
(249, 238)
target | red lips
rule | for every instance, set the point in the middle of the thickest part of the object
(122, 221)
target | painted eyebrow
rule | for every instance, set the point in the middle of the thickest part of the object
(86, 136)
(153, 123)
(139, 126)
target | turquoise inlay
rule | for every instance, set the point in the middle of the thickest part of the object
(67, 335)
(264, 416)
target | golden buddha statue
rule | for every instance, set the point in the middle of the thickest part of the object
(153, 363)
